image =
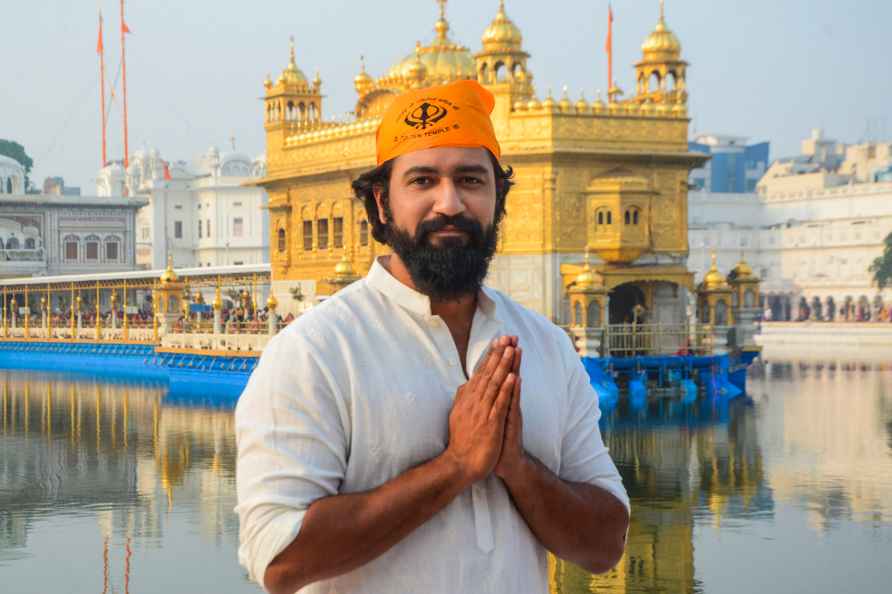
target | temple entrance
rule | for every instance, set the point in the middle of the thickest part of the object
(623, 300)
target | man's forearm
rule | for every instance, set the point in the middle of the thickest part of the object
(575, 521)
(344, 532)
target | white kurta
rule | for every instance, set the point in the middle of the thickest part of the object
(358, 390)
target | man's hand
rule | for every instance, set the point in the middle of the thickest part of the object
(513, 455)
(477, 419)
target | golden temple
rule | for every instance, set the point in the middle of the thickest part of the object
(608, 177)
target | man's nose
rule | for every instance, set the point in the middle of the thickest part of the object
(449, 200)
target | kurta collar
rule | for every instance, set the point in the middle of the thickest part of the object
(379, 278)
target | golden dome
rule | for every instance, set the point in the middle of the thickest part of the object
(714, 279)
(443, 60)
(582, 104)
(272, 302)
(169, 276)
(292, 74)
(548, 104)
(742, 271)
(564, 104)
(588, 278)
(362, 81)
(662, 42)
(344, 268)
(501, 32)
(416, 72)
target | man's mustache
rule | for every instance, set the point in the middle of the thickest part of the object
(460, 222)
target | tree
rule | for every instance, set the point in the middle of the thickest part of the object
(881, 268)
(14, 150)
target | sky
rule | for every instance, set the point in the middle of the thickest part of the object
(764, 69)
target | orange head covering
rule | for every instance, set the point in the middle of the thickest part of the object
(456, 114)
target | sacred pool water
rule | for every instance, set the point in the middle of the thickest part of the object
(118, 487)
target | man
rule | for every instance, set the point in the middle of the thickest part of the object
(418, 432)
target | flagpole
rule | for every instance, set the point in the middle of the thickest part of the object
(101, 49)
(124, 84)
(609, 47)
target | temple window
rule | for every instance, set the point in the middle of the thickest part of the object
(111, 251)
(71, 244)
(308, 236)
(338, 232)
(280, 236)
(364, 233)
(92, 251)
(322, 233)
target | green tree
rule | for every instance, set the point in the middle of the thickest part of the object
(881, 268)
(13, 149)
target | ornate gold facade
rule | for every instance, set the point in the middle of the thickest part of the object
(610, 177)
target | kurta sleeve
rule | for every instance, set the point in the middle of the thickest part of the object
(584, 457)
(292, 447)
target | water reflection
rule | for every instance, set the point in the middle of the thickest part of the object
(135, 491)
(116, 455)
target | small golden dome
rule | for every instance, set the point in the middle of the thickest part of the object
(272, 302)
(533, 104)
(416, 72)
(501, 32)
(292, 74)
(362, 82)
(344, 268)
(267, 82)
(743, 271)
(587, 278)
(564, 104)
(582, 104)
(662, 42)
(714, 279)
(444, 60)
(169, 276)
(548, 104)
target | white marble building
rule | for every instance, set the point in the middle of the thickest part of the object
(811, 230)
(44, 235)
(203, 214)
(12, 176)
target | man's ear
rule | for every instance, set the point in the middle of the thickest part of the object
(378, 191)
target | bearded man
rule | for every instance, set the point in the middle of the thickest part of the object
(419, 432)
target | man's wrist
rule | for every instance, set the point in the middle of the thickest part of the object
(451, 467)
(518, 474)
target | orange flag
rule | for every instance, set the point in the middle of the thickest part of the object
(124, 27)
(99, 43)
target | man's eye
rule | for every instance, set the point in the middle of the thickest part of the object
(471, 180)
(422, 181)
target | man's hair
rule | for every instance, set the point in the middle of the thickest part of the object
(364, 187)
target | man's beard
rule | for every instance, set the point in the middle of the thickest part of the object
(456, 266)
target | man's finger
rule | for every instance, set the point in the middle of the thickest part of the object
(497, 378)
(489, 365)
(500, 409)
(518, 355)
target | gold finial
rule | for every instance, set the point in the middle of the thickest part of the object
(442, 26)
(292, 60)
(662, 11)
(588, 256)
(362, 63)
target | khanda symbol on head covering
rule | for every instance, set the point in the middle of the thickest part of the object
(426, 114)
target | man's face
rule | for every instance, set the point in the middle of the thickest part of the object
(440, 218)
